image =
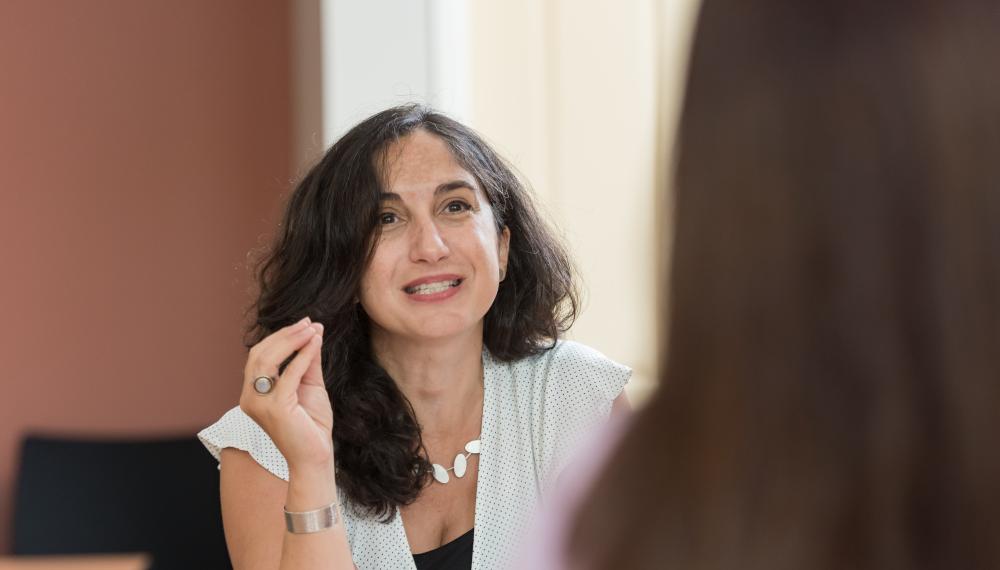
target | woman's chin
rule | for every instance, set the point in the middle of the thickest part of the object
(434, 328)
(443, 328)
(444, 332)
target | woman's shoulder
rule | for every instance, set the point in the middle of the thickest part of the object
(569, 363)
(565, 386)
(555, 397)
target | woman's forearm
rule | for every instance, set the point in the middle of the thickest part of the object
(310, 489)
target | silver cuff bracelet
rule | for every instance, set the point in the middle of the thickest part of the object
(311, 521)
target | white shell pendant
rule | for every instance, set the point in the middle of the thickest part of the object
(440, 474)
(460, 465)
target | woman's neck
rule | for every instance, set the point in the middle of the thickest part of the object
(442, 379)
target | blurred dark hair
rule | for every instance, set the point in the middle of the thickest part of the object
(315, 265)
(830, 393)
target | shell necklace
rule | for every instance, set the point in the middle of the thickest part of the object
(461, 463)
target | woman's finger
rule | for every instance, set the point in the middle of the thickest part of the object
(268, 359)
(314, 373)
(278, 336)
(290, 378)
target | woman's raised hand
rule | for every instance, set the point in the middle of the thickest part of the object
(296, 413)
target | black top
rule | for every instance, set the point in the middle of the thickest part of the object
(456, 555)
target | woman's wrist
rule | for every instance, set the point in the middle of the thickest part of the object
(315, 536)
(310, 487)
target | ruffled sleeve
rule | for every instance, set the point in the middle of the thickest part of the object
(238, 430)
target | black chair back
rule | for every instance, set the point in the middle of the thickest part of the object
(81, 497)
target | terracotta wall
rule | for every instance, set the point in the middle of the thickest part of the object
(144, 149)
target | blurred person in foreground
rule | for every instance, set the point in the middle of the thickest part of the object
(418, 300)
(831, 384)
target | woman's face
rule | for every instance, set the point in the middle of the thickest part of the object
(437, 264)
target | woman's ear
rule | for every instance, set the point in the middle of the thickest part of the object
(503, 248)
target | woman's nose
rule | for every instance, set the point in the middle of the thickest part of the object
(428, 243)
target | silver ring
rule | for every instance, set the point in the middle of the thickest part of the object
(263, 385)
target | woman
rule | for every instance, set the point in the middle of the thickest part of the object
(832, 377)
(410, 308)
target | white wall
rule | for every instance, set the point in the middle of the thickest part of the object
(379, 53)
(583, 96)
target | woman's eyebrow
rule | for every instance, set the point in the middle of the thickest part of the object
(441, 189)
(452, 186)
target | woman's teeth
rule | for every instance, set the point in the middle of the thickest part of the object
(431, 288)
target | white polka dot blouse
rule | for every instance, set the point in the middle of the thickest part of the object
(535, 412)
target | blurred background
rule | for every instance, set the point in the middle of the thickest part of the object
(146, 148)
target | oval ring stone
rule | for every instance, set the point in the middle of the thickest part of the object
(263, 384)
(472, 446)
(460, 465)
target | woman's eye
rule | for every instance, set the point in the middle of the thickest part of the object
(386, 218)
(457, 206)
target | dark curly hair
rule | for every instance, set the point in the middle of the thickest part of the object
(315, 265)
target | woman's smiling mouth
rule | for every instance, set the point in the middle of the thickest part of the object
(433, 287)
